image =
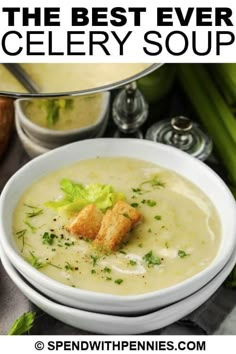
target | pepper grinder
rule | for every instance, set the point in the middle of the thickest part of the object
(129, 112)
(183, 134)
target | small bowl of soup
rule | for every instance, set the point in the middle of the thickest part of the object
(119, 226)
(57, 121)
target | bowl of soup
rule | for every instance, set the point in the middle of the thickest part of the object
(56, 121)
(117, 225)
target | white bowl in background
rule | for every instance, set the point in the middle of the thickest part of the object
(51, 138)
(110, 324)
(194, 170)
(32, 148)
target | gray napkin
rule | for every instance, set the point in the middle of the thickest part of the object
(217, 315)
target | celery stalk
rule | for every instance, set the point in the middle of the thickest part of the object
(212, 111)
(225, 77)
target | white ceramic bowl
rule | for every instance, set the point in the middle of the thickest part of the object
(110, 324)
(50, 138)
(166, 156)
(32, 148)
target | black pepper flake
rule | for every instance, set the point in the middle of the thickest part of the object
(54, 219)
(76, 268)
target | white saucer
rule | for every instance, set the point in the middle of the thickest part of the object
(110, 324)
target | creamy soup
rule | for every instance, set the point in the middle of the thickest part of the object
(178, 236)
(64, 114)
(70, 77)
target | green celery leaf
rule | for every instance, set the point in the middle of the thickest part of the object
(23, 324)
(77, 196)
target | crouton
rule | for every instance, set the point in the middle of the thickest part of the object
(127, 210)
(116, 223)
(87, 223)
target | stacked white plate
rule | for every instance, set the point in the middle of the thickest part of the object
(111, 324)
(105, 313)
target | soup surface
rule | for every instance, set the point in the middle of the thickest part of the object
(65, 114)
(70, 77)
(178, 236)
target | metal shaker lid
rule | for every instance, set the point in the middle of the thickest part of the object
(183, 134)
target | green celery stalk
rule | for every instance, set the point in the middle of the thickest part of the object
(225, 77)
(212, 111)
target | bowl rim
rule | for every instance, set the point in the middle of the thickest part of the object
(208, 272)
(33, 127)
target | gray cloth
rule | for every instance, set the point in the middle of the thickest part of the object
(217, 315)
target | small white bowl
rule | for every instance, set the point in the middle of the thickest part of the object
(51, 138)
(110, 324)
(33, 149)
(196, 171)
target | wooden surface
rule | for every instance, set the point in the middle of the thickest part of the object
(6, 122)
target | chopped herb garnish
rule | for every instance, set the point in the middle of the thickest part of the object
(68, 244)
(48, 238)
(154, 182)
(118, 281)
(136, 190)
(68, 266)
(151, 203)
(93, 271)
(35, 261)
(54, 265)
(134, 205)
(108, 278)
(182, 254)
(166, 245)
(157, 217)
(107, 270)
(126, 216)
(23, 324)
(123, 252)
(140, 245)
(94, 259)
(35, 211)
(149, 230)
(32, 227)
(21, 234)
(132, 262)
(151, 260)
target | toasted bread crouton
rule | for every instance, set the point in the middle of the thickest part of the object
(87, 223)
(116, 223)
(127, 210)
(113, 229)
